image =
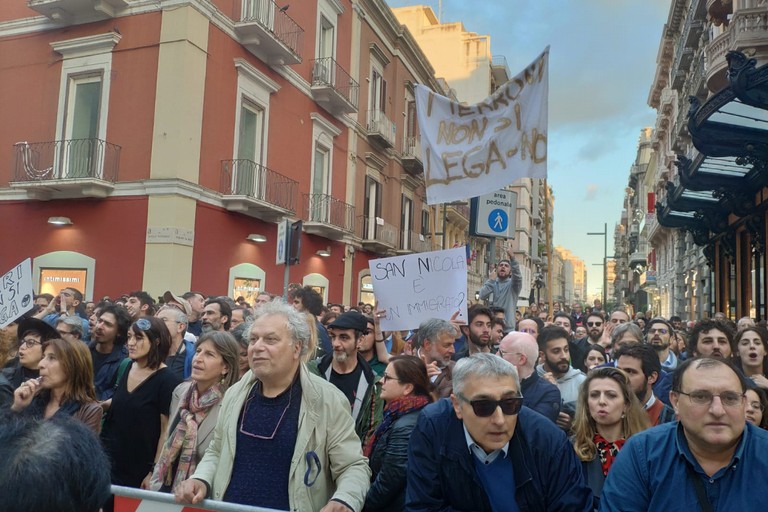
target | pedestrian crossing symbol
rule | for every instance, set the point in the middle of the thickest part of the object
(498, 220)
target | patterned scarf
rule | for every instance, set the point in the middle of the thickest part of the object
(607, 451)
(395, 410)
(182, 442)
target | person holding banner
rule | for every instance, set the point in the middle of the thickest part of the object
(504, 285)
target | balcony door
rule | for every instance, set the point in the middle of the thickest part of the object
(81, 151)
(249, 177)
(320, 207)
(372, 207)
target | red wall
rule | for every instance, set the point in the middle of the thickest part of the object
(110, 231)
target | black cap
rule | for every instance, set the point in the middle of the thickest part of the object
(350, 320)
(35, 324)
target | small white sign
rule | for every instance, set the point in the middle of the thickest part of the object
(417, 287)
(16, 295)
(282, 242)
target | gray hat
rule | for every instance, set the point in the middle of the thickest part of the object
(350, 320)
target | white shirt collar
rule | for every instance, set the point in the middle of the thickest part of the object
(650, 402)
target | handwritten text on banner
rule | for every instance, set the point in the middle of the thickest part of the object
(471, 150)
(417, 287)
(16, 296)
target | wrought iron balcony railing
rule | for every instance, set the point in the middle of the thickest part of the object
(247, 178)
(326, 209)
(67, 160)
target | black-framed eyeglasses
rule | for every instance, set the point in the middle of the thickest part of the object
(385, 378)
(30, 342)
(484, 408)
(143, 324)
(703, 397)
(594, 324)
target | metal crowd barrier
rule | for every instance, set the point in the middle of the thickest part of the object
(128, 499)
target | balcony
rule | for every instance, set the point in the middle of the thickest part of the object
(72, 168)
(499, 70)
(328, 217)
(411, 156)
(333, 88)
(380, 129)
(377, 235)
(257, 191)
(420, 243)
(458, 214)
(77, 11)
(268, 32)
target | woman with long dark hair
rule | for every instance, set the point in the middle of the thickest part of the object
(64, 387)
(405, 389)
(607, 414)
(752, 354)
(138, 412)
(195, 409)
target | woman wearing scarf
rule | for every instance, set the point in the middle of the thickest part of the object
(64, 386)
(607, 414)
(405, 389)
(195, 409)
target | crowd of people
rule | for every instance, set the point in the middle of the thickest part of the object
(299, 405)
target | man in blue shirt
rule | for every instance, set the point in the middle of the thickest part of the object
(710, 457)
(482, 451)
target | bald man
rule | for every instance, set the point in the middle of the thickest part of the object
(521, 349)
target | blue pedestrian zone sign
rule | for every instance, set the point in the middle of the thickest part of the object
(492, 215)
(498, 220)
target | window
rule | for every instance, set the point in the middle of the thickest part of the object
(425, 222)
(406, 222)
(378, 91)
(326, 46)
(61, 269)
(254, 90)
(323, 133)
(248, 174)
(248, 280)
(372, 206)
(247, 288)
(81, 124)
(81, 148)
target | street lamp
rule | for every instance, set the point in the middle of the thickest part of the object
(604, 234)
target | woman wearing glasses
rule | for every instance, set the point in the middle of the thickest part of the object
(405, 389)
(757, 401)
(195, 409)
(64, 387)
(138, 412)
(32, 332)
(607, 414)
(752, 354)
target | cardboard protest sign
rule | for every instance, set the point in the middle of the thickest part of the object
(471, 150)
(417, 287)
(16, 296)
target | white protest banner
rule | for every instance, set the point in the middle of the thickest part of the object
(471, 150)
(16, 296)
(417, 287)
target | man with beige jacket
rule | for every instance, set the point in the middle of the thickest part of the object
(284, 439)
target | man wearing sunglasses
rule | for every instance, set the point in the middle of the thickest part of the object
(484, 435)
(711, 459)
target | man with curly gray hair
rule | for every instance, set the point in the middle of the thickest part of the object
(286, 430)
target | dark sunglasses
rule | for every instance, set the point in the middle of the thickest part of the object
(484, 408)
(594, 324)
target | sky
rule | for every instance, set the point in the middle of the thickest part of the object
(602, 64)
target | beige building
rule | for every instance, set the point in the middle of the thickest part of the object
(574, 276)
(464, 60)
